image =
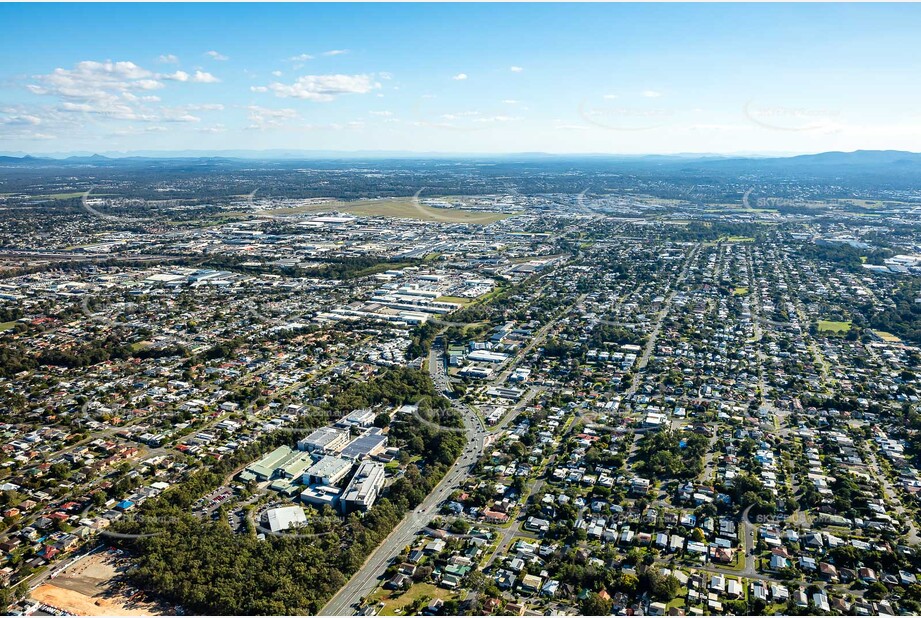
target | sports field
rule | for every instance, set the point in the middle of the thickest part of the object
(834, 327)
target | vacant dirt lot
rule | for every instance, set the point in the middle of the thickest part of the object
(93, 587)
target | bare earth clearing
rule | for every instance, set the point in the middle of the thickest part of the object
(92, 588)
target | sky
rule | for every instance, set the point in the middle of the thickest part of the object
(460, 78)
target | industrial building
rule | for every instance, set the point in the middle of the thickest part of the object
(282, 463)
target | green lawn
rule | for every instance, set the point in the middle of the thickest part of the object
(395, 601)
(740, 291)
(63, 196)
(7, 325)
(453, 299)
(834, 327)
(888, 337)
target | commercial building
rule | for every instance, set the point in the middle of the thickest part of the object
(321, 495)
(368, 445)
(357, 418)
(285, 517)
(325, 439)
(365, 487)
(485, 356)
(328, 470)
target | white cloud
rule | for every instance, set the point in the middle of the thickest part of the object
(26, 135)
(199, 77)
(216, 55)
(177, 114)
(276, 73)
(20, 120)
(168, 59)
(383, 114)
(266, 118)
(515, 69)
(205, 107)
(104, 88)
(133, 130)
(203, 77)
(611, 97)
(218, 128)
(460, 77)
(259, 88)
(91, 80)
(651, 94)
(511, 101)
(335, 52)
(114, 90)
(148, 84)
(179, 76)
(300, 58)
(325, 87)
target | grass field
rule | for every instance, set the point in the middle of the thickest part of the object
(394, 601)
(888, 337)
(65, 196)
(401, 208)
(834, 327)
(7, 325)
(740, 291)
(453, 299)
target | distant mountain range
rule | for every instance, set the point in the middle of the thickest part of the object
(858, 157)
(867, 164)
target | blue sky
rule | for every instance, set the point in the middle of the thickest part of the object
(614, 78)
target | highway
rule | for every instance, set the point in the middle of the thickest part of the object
(363, 583)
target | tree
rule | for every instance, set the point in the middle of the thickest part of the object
(662, 588)
(627, 583)
(876, 591)
(596, 605)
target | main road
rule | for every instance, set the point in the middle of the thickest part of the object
(365, 580)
